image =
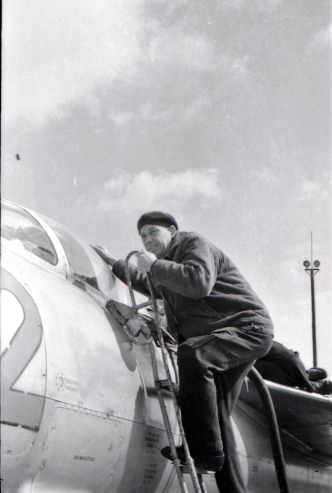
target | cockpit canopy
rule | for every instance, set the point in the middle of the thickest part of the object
(26, 232)
(22, 230)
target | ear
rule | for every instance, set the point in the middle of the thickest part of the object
(172, 230)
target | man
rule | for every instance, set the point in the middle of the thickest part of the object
(221, 326)
(284, 366)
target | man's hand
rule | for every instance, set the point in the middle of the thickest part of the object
(105, 254)
(144, 261)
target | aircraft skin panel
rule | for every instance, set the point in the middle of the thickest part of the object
(80, 451)
(22, 400)
(86, 463)
(23, 408)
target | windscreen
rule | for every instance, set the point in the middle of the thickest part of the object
(84, 262)
(24, 232)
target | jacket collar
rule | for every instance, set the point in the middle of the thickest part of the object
(173, 245)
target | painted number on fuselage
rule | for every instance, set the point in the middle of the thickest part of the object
(17, 407)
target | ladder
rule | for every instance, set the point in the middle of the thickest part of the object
(168, 384)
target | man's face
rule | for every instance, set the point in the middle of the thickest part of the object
(156, 238)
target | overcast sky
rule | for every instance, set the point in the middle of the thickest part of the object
(218, 112)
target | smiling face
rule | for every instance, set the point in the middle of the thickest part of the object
(156, 239)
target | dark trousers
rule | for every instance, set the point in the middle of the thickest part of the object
(211, 370)
(284, 366)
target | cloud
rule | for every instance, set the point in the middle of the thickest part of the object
(174, 192)
(260, 5)
(144, 113)
(171, 46)
(316, 189)
(267, 176)
(55, 52)
(323, 38)
(59, 53)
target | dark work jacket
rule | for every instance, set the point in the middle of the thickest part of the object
(202, 289)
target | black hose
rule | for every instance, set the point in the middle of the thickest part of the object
(268, 406)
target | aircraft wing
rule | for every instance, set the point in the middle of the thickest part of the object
(304, 419)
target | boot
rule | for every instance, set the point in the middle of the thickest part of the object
(315, 374)
(324, 387)
(211, 462)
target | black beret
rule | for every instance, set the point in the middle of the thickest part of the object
(156, 217)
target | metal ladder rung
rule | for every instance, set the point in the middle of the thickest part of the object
(186, 470)
(166, 385)
(142, 305)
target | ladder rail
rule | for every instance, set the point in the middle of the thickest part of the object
(197, 480)
(175, 401)
(132, 295)
(167, 423)
(129, 283)
(189, 460)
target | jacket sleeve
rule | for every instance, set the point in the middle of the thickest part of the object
(195, 276)
(138, 278)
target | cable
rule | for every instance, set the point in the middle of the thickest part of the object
(270, 414)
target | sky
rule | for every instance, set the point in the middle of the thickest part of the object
(216, 112)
